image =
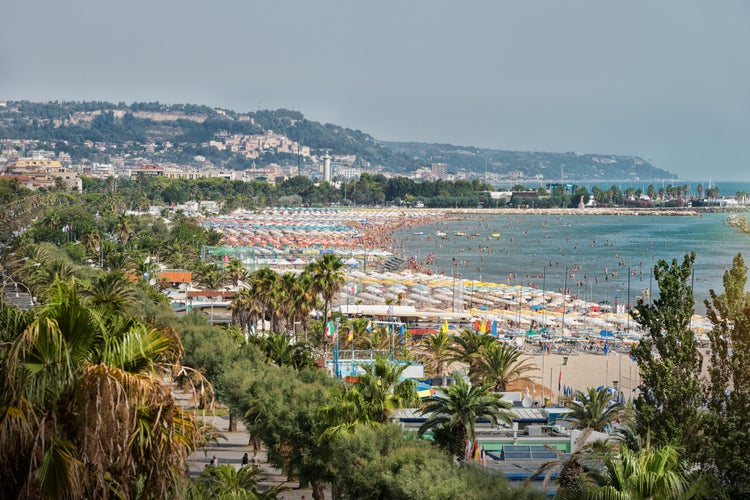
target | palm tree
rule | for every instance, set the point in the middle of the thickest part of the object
(374, 339)
(454, 410)
(112, 291)
(209, 276)
(468, 348)
(282, 352)
(124, 227)
(327, 278)
(245, 310)
(84, 410)
(576, 471)
(383, 389)
(656, 473)
(435, 353)
(594, 409)
(370, 401)
(226, 482)
(91, 242)
(174, 252)
(303, 301)
(235, 271)
(499, 365)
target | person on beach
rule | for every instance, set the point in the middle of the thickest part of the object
(245, 460)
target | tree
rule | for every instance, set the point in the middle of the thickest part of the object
(500, 364)
(383, 390)
(327, 278)
(454, 410)
(124, 227)
(282, 408)
(468, 348)
(235, 271)
(651, 473)
(668, 359)
(112, 291)
(226, 482)
(434, 351)
(84, 410)
(383, 462)
(576, 470)
(593, 409)
(728, 387)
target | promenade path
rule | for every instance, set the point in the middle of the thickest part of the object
(230, 451)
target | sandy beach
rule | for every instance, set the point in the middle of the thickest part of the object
(580, 372)
(287, 238)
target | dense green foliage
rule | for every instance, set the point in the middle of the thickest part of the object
(71, 127)
(594, 409)
(667, 406)
(85, 406)
(116, 321)
(453, 412)
(183, 131)
(728, 388)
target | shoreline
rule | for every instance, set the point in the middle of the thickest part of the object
(632, 211)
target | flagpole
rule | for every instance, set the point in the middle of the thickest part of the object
(336, 350)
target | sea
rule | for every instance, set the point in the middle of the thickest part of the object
(606, 259)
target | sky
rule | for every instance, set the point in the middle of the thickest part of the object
(665, 80)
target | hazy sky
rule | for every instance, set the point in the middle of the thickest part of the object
(668, 80)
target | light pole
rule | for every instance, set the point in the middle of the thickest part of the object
(16, 295)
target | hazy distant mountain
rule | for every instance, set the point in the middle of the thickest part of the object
(529, 164)
(99, 131)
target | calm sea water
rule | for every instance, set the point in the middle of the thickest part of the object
(601, 258)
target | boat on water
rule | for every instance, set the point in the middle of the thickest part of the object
(441, 234)
(418, 233)
(459, 233)
(495, 235)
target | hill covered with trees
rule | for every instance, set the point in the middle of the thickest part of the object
(180, 133)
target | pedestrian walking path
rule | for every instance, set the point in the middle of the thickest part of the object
(230, 451)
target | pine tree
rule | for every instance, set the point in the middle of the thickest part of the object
(728, 389)
(669, 361)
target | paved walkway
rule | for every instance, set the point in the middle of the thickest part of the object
(230, 451)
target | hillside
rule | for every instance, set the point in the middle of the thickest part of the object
(529, 164)
(193, 134)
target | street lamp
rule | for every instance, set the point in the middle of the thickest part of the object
(16, 294)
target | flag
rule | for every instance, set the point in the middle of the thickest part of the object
(369, 326)
(559, 380)
(329, 329)
(467, 449)
(482, 327)
(494, 328)
(444, 328)
(606, 347)
(148, 259)
(350, 335)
